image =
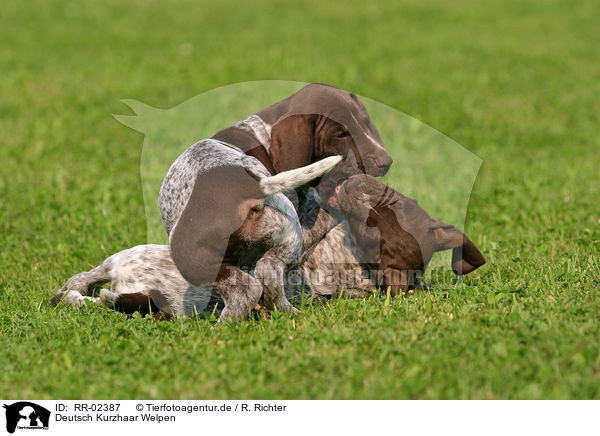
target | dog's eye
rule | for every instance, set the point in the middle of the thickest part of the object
(360, 198)
(342, 134)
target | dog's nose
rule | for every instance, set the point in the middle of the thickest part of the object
(384, 163)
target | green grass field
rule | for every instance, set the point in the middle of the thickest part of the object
(516, 83)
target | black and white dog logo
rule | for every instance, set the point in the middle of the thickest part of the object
(26, 415)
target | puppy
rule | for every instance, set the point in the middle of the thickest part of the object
(392, 239)
(143, 279)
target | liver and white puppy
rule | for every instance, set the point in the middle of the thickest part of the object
(387, 235)
(143, 279)
(146, 278)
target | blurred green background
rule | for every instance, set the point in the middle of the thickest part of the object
(514, 82)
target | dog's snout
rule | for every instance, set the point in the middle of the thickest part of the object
(384, 163)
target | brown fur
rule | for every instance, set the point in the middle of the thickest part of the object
(396, 237)
(316, 122)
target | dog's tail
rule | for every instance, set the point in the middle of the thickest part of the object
(294, 178)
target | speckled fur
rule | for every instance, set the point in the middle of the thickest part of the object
(145, 269)
(328, 267)
(177, 185)
(281, 236)
(149, 269)
(333, 266)
(278, 238)
(329, 264)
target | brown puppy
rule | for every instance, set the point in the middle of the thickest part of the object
(395, 237)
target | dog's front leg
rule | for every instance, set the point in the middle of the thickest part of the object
(270, 270)
(323, 223)
(240, 292)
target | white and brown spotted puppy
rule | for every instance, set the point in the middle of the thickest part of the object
(143, 279)
(147, 278)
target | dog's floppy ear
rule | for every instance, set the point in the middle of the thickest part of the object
(465, 256)
(219, 204)
(247, 143)
(292, 142)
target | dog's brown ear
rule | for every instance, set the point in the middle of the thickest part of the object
(219, 204)
(465, 256)
(247, 143)
(292, 142)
